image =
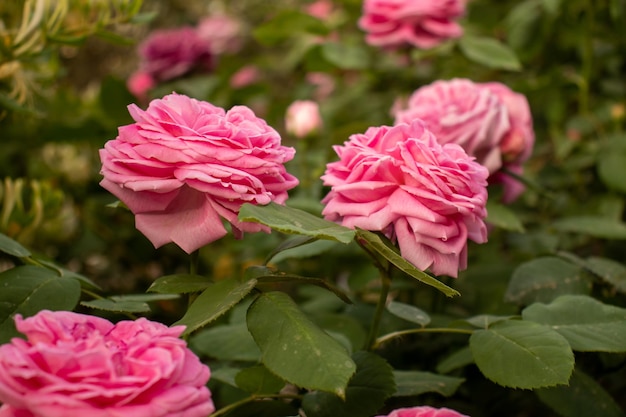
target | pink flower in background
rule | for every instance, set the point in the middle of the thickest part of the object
(79, 365)
(303, 118)
(323, 82)
(428, 197)
(246, 76)
(171, 53)
(320, 9)
(421, 23)
(491, 122)
(185, 165)
(139, 84)
(424, 411)
(223, 33)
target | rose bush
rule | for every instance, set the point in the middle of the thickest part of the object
(491, 122)
(80, 365)
(399, 180)
(421, 23)
(424, 411)
(185, 163)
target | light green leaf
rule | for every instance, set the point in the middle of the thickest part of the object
(489, 52)
(483, 321)
(310, 249)
(26, 290)
(410, 383)
(123, 306)
(612, 169)
(213, 302)
(503, 217)
(376, 244)
(12, 247)
(342, 324)
(294, 221)
(583, 397)
(258, 380)
(409, 313)
(372, 384)
(609, 270)
(286, 25)
(180, 284)
(600, 227)
(521, 354)
(586, 323)
(296, 349)
(231, 342)
(458, 359)
(346, 56)
(544, 279)
(144, 298)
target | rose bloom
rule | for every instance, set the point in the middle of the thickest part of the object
(428, 197)
(424, 411)
(172, 53)
(139, 84)
(491, 122)
(303, 118)
(79, 365)
(223, 33)
(421, 23)
(186, 164)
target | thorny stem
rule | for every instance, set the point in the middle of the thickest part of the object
(250, 399)
(384, 339)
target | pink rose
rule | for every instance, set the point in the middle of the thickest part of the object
(422, 23)
(78, 365)
(303, 118)
(320, 9)
(223, 33)
(246, 76)
(424, 411)
(428, 197)
(491, 122)
(139, 84)
(171, 53)
(185, 164)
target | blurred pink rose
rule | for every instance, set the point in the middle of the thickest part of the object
(139, 84)
(323, 82)
(171, 53)
(428, 197)
(303, 118)
(247, 75)
(320, 9)
(78, 365)
(185, 164)
(421, 23)
(491, 122)
(223, 33)
(424, 411)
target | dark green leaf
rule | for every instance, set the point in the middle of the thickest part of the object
(346, 56)
(489, 52)
(458, 359)
(277, 277)
(296, 349)
(180, 284)
(11, 247)
(600, 227)
(231, 342)
(609, 270)
(308, 250)
(108, 304)
(294, 221)
(503, 217)
(521, 354)
(258, 380)
(286, 25)
(409, 383)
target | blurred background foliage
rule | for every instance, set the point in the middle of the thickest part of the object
(63, 71)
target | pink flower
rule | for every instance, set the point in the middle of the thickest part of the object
(78, 365)
(320, 9)
(421, 23)
(247, 75)
(428, 197)
(303, 118)
(223, 33)
(139, 84)
(185, 164)
(172, 53)
(491, 122)
(424, 411)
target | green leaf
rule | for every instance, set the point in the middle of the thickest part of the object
(583, 397)
(483, 321)
(227, 342)
(294, 221)
(286, 25)
(343, 324)
(346, 56)
(612, 169)
(586, 323)
(144, 298)
(501, 216)
(609, 270)
(258, 380)
(521, 354)
(374, 242)
(408, 313)
(311, 248)
(489, 52)
(11, 247)
(599, 227)
(367, 391)
(544, 279)
(213, 302)
(458, 359)
(294, 348)
(123, 306)
(410, 383)
(26, 290)
(180, 284)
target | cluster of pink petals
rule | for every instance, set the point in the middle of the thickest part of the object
(223, 33)
(421, 23)
(428, 197)
(78, 365)
(185, 165)
(491, 122)
(424, 411)
(303, 118)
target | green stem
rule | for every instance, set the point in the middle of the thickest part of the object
(385, 279)
(384, 339)
(230, 407)
(193, 262)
